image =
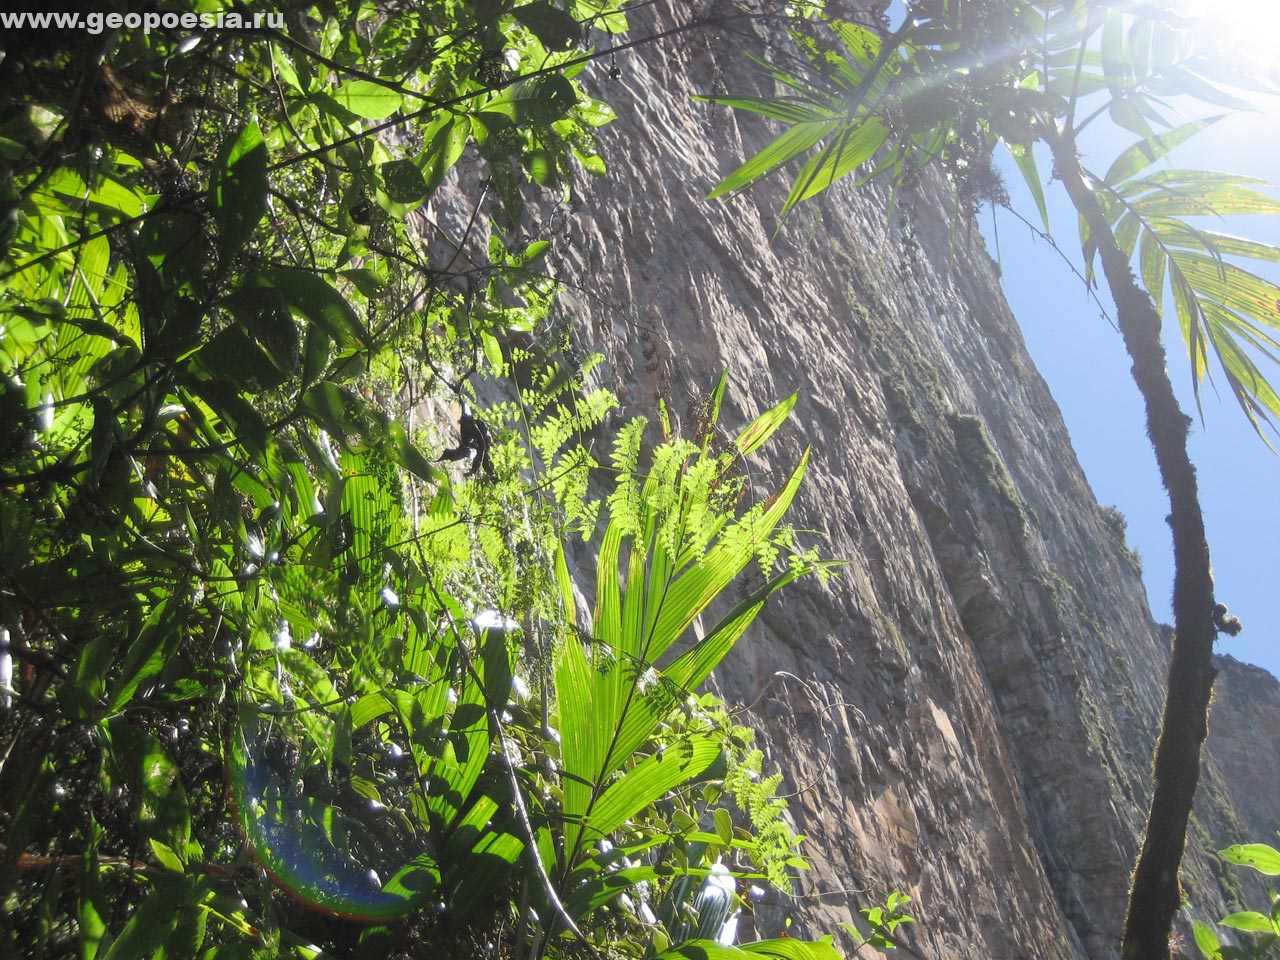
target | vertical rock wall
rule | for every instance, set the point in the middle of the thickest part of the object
(966, 712)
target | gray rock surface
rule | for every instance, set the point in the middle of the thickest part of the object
(966, 712)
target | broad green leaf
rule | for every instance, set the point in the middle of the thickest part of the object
(404, 181)
(404, 453)
(446, 138)
(1115, 53)
(233, 356)
(415, 883)
(554, 28)
(367, 99)
(140, 761)
(155, 920)
(1262, 857)
(1207, 940)
(649, 781)
(314, 298)
(1128, 113)
(1249, 920)
(787, 948)
(158, 637)
(238, 189)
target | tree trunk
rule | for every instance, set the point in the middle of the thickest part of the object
(1154, 896)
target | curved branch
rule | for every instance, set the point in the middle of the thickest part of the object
(1155, 896)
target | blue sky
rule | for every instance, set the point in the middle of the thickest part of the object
(1081, 357)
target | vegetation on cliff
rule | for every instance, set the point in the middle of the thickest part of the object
(955, 80)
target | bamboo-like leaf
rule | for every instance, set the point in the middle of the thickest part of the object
(764, 426)
(238, 188)
(693, 667)
(787, 109)
(1183, 193)
(1153, 268)
(783, 948)
(1230, 285)
(1025, 160)
(583, 695)
(1189, 320)
(853, 146)
(1145, 152)
(1125, 232)
(1115, 54)
(863, 44)
(789, 145)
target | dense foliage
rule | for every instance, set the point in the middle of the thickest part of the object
(291, 667)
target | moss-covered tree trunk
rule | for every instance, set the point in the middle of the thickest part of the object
(1154, 895)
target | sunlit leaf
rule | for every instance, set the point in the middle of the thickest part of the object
(367, 99)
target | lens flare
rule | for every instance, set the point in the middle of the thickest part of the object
(320, 840)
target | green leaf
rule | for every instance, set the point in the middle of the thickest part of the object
(238, 189)
(1249, 920)
(724, 825)
(404, 453)
(852, 147)
(791, 110)
(235, 357)
(1025, 160)
(155, 920)
(783, 150)
(1263, 858)
(764, 426)
(91, 908)
(1207, 940)
(446, 138)
(404, 181)
(1145, 152)
(367, 99)
(649, 781)
(315, 299)
(140, 760)
(1183, 193)
(554, 28)
(158, 637)
(784, 948)
(789, 949)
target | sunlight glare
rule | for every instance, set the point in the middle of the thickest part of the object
(1248, 27)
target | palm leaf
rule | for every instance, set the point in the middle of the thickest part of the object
(789, 145)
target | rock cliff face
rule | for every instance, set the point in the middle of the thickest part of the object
(967, 711)
(1244, 741)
